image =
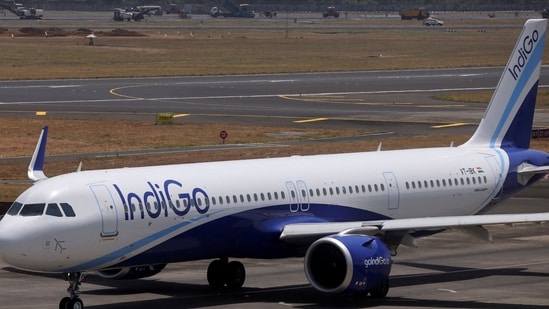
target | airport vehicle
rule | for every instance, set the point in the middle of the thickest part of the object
(21, 11)
(134, 13)
(173, 9)
(330, 11)
(433, 22)
(419, 14)
(347, 214)
(242, 10)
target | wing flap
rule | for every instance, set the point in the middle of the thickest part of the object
(302, 232)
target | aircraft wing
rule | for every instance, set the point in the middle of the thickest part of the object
(305, 232)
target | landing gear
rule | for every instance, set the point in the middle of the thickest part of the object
(73, 302)
(381, 291)
(222, 272)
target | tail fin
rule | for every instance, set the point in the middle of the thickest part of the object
(507, 122)
(36, 165)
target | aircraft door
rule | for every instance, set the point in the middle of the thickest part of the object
(107, 207)
(303, 195)
(292, 193)
(298, 196)
(392, 190)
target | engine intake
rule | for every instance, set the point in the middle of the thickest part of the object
(349, 263)
(135, 272)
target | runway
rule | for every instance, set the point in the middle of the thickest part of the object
(398, 103)
(449, 270)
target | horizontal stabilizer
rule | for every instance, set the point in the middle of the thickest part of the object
(526, 171)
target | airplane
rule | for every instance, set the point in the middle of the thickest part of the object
(346, 214)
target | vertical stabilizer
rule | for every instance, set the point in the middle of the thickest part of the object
(35, 171)
(507, 122)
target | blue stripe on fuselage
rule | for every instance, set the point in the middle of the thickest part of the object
(254, 233)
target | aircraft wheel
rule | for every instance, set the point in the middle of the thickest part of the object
(380, 291)
(75, 303)
(235, 275)
(63, 303)
(216, 274)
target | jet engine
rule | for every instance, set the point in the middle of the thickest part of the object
(349, 264)
(135, 272)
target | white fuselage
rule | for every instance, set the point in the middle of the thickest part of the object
(123, 213)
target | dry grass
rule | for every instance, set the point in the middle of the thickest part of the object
(84, 136)
(66, 138)
(303, 48)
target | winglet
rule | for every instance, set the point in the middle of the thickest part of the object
(508, 120)
(35, 171)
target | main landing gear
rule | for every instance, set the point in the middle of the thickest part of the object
(224, 273)
(73, 302)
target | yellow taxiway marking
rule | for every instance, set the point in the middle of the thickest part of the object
(40, 113)
(457, 124)
(113, 91)
(310, 120)
(180, 115)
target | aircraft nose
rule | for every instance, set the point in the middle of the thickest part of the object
(3, 240)
(8, 242)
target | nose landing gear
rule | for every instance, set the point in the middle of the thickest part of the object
(73, 301)
(224, 273)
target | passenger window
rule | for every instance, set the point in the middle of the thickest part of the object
(30, 210)
(14, 209)
(53, 210)
(67, 209)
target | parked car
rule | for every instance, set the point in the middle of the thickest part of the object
(433, 22)
(330, 11)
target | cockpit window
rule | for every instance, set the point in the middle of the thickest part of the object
(14, 209)
(67, 209)
(30, 210)
(53, 210)
(37, 209)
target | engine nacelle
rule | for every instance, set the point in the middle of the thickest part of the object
(349, 263)
(135, 272)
